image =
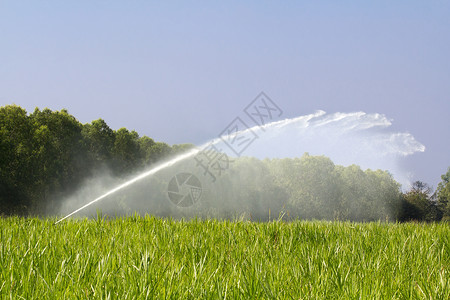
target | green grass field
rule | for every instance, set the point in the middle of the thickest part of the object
(140, 258)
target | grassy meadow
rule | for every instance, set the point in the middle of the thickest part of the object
(147, 257)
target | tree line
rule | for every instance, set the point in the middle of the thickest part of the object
(313, 187)
(47, 154)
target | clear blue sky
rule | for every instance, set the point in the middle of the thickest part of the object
(181, 71)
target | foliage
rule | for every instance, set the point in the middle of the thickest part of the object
(150, 258)
(418, 204)
(16, 158)
(317, 189)
(99, 139)
(443, 195)
(46, 154)
(49, 154)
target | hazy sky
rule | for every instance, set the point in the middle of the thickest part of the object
(181, 71)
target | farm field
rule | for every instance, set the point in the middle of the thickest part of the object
(147, 257)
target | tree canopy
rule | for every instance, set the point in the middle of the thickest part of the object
(443, 195)
(48, 154)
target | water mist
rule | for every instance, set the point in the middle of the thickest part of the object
(347, 138)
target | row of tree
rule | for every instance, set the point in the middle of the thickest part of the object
(313, 187)
(421, 204)
(47, 155)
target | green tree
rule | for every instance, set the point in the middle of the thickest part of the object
(254, 189)
(354, 200)
(417, 203)
(312, 184)
(145, 145)
(99, 139)
(59, 155)
(48, 153)
(181, 148)
(16, 159)
(158, 152)
(443, 195)
(126, 151)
